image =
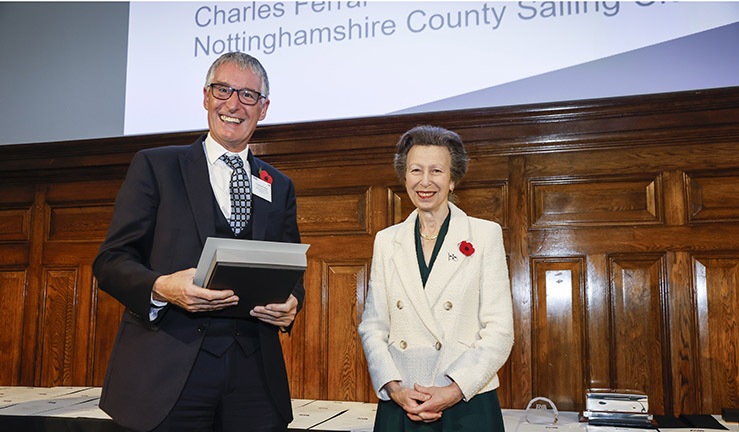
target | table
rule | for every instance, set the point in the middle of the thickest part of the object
(75, 409)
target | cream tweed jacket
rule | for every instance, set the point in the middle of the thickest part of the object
(460, 327)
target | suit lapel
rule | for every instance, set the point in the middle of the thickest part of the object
(406, 263)
(450, 260)
(198, 189)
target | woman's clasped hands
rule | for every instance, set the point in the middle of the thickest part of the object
(424, 404)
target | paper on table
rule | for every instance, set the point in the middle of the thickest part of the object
(10, 396)
(297, 403)
(592, 428)
(13, 395)
(42, 404)
(360, 417)
(315, 412)
(86, 409)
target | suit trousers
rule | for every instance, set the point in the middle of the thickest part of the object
(225, 393)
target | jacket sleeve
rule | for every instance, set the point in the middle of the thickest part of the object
(481, 362)
(121, 265)
(375, 326)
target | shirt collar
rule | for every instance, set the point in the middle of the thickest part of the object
(213, 150)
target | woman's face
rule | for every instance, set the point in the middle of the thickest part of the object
(428, 176)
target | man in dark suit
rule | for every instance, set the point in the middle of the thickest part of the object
(174, 367)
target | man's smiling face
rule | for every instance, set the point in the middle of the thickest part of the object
(231, 122)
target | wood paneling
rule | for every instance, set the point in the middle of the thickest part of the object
(681, 332)
(12, 293)
(14, 223)
(619, 218)
(717, 302)
(558, 322)
(345, 285)
(105, 319)
(637, 327)
(334, 214)
(15, 213)
(713, 198)
(591, 202)
(78, 223)
(59, 320)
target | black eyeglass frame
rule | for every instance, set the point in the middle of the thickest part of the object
(231, 91)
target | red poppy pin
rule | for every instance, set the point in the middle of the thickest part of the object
(466, 248)
(264, 175)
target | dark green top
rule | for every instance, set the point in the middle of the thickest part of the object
(482, 413)
(426, 270)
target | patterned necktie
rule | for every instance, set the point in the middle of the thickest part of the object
(240, 193)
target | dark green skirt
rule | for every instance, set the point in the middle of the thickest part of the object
(482, 413)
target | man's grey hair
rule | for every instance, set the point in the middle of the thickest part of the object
(243, 61)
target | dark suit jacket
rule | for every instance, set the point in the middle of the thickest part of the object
(164, 212)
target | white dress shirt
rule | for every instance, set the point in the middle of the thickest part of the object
(220, 172)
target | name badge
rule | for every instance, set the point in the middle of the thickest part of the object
(261, 188)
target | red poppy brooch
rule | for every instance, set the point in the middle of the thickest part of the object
(466, 248)
(264, 175)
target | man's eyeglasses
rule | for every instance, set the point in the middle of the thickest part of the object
(246, 96)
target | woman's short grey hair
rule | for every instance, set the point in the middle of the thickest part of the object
(432, 136)
(243, 61)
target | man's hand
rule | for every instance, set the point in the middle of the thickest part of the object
(278, 314)
(411, 401)
(178, 289)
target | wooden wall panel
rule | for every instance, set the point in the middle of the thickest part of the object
(15, 212)
(487, 200)
(558, 323)
(598, 313)
(713, 198)
(14, 223)
(14, 254)
(638, 327)
(346, 286)
(78, 223)
(592, 202)
(518, 247)
(334, 214)
(324, 354)
(717, 302)
(107, 313)
(12, 295)
(619, 219)
(58, 323)
(681, 332)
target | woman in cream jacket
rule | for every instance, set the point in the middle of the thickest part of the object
(438, 320)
